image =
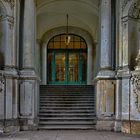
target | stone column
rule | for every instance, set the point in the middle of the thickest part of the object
(28, 78)
(105, 61)
(105, 84)
(89, 68)
(9, 75)
(44, 64)
(29, 34)
(37, 57)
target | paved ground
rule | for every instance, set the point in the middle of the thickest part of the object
(68, 135)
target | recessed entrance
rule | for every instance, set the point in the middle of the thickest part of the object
(67, 64)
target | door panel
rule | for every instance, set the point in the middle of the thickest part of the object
(73, 67)
(66, 67)
(60, 67)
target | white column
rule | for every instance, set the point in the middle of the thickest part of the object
(6, 41)
(105, 85)
(125, 45)
(44, 64)
(89, 66)
(29, 34)
(29, 85)
(37, 57)
(105, 61)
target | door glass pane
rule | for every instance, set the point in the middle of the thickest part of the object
(73, 67)
(60, 67)
(84, 66)
(50, 67)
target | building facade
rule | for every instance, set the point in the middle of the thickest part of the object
(104, 51)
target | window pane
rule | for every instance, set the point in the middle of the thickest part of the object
(50, 46)
(56, 45)
(49, 67)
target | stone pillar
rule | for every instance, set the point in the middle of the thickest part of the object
(105, 84)
(44, 64)
(90, 66)
(123, 78)
(29, 88)
(118, 108)
(8, 67)
(38, 58)
(105, 61)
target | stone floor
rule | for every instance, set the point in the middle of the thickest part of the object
(68, 135)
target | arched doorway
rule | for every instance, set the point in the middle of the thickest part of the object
(67, 64)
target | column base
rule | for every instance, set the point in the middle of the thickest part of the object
(131, 127)
(105, 74)
(29, 99)
(117, 125)
(9, 126)
(106, 125)
(28, 124)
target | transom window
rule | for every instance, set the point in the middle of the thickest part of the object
(58, 42)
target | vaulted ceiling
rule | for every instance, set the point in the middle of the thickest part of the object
(82, 13)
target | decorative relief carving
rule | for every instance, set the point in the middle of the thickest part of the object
(10, 20)
(134, 11)
(11, 2)
(136, 82)
(125, 2)
(2, 82)
(136, 85)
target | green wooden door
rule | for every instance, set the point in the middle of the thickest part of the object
(66, 68)
(67, 64)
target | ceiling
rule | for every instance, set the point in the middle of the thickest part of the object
(82, 13)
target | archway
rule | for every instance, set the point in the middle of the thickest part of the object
(67, 62)
(90, 51)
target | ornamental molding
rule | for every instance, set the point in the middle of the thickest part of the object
(10, 19)
(2, 83)
(136, 89)
(10, 2)
(136, 82)
(125, 2)
(134, 11)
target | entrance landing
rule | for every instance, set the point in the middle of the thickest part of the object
(68, 135)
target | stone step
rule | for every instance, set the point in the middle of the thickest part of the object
(67, 108)
(60, 91)
(67, 99)
(67, 122)
(74, 118)
(66, 96)
(66, 127)
(67, 102)
(67, 105)
(67, 114)
(66, 111)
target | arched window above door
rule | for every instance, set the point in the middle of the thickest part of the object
(58, 42)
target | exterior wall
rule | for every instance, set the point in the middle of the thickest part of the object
(117, 92)
(127, 117)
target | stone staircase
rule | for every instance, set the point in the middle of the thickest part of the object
(67, 107)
